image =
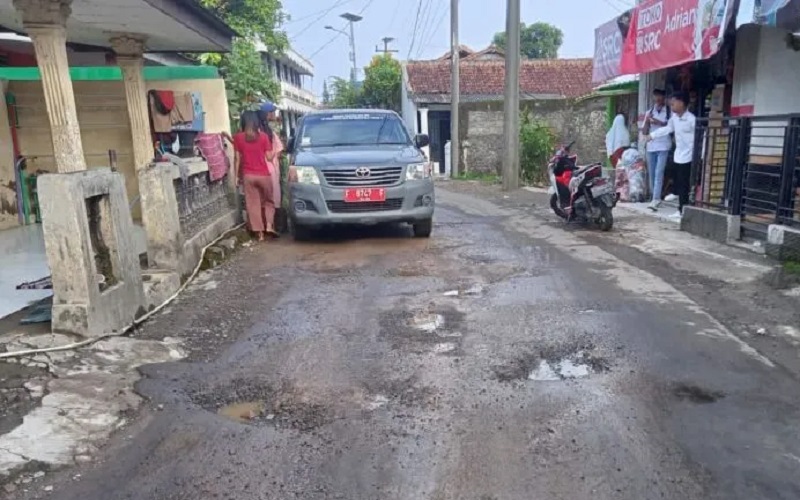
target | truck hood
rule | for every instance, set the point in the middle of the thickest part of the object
(350, 156)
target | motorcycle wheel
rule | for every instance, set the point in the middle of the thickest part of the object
(556, 207)
(606, 219)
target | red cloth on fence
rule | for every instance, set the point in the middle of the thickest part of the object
(212, 149)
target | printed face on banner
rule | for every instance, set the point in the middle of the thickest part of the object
(608, 41)
(667, 33)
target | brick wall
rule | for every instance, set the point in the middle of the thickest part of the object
(482, 129)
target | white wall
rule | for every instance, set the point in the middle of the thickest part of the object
(407, 107)
(766, 79)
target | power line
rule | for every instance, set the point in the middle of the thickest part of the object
(435, 30)
(427, 23)
(414, 32)
(318, 18)
(323, 11)
(334, 37)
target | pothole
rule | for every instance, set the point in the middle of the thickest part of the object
(444, 348)
(427, 322)
(251, 402)
(553, 365)
(471, 291)
(695, 394)
(564, 369)
(243, 412)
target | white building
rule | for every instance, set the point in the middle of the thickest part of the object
(295, 74)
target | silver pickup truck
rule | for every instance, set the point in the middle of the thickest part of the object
(358, 167)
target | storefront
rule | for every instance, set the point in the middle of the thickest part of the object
(735, 59)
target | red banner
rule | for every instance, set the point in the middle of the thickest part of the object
(608, 42)
(664, 33)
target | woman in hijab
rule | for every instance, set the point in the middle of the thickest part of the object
(253, 155)
(618, 139)
(266, 114)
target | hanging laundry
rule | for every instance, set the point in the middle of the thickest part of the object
(170, 110)
(213, 150)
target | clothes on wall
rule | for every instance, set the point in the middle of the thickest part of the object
(171, 110)
(212, 148)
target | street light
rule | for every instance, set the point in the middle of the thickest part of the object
(351, 19)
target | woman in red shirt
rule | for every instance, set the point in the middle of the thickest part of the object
(253, 155)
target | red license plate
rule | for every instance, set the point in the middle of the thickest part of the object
(362, 195)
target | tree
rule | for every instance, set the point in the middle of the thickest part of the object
(246, 79)
(537, 41)
(382, 83)
(253, 19)
(345, 94)
(326, 95)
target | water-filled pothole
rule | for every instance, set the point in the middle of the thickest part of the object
(559, 363)
(578, 366)
(427, 322)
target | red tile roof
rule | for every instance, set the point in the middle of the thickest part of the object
(557, 77)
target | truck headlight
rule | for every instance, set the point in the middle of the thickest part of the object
(417, 171)
(304, 175)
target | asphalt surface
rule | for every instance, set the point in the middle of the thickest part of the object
(505, 358)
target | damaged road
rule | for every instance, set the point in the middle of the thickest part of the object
(507, 357)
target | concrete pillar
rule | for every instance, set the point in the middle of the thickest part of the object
(44, 22)
(129, 50)
(88, 236)
(423, 129)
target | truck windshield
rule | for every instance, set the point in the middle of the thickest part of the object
(352, 129)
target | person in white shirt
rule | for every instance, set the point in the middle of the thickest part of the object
(657, 149)
(682, 125)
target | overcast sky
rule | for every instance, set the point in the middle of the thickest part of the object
(395, 18)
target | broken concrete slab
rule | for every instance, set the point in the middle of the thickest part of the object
(85, 403)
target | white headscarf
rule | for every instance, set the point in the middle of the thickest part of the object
(618, 136)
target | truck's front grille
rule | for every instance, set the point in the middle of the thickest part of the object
(378, 176)
(369, 206)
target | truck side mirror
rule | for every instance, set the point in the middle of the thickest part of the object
(422, 140)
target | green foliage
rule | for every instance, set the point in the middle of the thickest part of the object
(247, 81)
(537, 41)
(537, 143)
(345, 94)
(382, 83)
(253, 19)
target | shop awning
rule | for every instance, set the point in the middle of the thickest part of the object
(664, 33)
(659, 34)
(621, 85)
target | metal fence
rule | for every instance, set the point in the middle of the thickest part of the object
(201, 202)
(750, 166)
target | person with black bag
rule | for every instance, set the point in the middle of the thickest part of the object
(657, 149)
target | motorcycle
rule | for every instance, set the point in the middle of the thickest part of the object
(580, 193)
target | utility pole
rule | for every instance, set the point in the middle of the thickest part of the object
(511, 104)
(455, 90)
(386, 50)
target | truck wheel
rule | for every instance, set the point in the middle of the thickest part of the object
(299, 233)
(423, 229)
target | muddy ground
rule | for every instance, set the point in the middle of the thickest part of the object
(507, 357)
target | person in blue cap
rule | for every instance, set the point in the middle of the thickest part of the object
(266, 114)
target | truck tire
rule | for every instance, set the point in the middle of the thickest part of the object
(423, 229)
(299, 233)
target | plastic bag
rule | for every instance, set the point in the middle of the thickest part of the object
(633, 165)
